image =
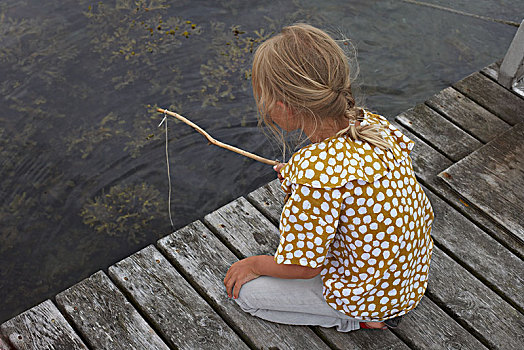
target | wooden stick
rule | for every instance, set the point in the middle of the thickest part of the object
(216, 142)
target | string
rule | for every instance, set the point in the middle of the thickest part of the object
(168, 173)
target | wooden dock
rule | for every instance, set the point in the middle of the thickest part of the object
(469, 156)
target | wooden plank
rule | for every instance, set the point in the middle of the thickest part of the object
(471, 117)
(426, 328)
(105, 318)
(4, 344)
(492, 179)
(445, 332)
(492, 70)
(236, 214)
(495, 98)
(41, 327)
(268, 199)
(200, 256)
(484, 255)
(244, 229)
(428, 163)
(169, 302)
(474, 305)
(439, 132)
(362, 339)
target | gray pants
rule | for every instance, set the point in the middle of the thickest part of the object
(292, 301)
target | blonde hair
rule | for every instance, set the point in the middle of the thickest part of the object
(304, 68)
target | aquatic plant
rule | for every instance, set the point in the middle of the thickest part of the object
(124, 211)
(85, 140)
(130, 32)
(229, 69)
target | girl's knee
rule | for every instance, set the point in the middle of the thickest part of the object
(244, 303)
(246, 299)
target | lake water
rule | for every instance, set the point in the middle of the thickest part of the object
(83, 176)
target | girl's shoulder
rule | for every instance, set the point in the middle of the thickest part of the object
(335, 161)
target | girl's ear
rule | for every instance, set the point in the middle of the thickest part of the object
(285, 117)
(287, 111)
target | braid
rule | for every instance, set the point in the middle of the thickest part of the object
(368, 133)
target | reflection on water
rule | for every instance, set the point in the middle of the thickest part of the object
(82, 161)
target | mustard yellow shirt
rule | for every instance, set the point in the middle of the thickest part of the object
(359, 212)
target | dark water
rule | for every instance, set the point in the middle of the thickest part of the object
(83, 179)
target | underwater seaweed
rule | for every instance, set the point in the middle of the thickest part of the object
(124, 211)
(129, 33)
(84, 141)
(230, 65)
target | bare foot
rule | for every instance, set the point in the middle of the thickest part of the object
(374, 325)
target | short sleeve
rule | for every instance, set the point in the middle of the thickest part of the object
(308, 225)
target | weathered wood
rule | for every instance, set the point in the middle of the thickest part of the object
(471, 117)
(362, 339)
(169, 302)
(4, 344)
(439, 132)
(269, 199)
(105, 318)
(492, 70)
(249, 247)
(484, 255)
(428, 319)
(41, 327)
(473, 304)
(492, 179)
(428, 163)
(243, 228)
(199, 255)
(495, 98)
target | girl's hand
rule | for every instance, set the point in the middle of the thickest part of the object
(277, 168)
(239, 273)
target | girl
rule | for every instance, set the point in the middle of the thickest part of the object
(355, 242)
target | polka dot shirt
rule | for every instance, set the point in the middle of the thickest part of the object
(359, 212)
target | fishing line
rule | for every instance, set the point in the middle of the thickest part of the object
(164, 121)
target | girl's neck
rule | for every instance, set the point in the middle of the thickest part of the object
(329, 128)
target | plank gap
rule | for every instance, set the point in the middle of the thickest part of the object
(5, 344)
(454, 123)
(71, 323)
(429, 143)
(436, 191)
(492, 78)
(256, 204)
(492, 96)
(488, 217)
(137, 307)
(229, 246)
(442, 305)
(203, 295)
(478, 276)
